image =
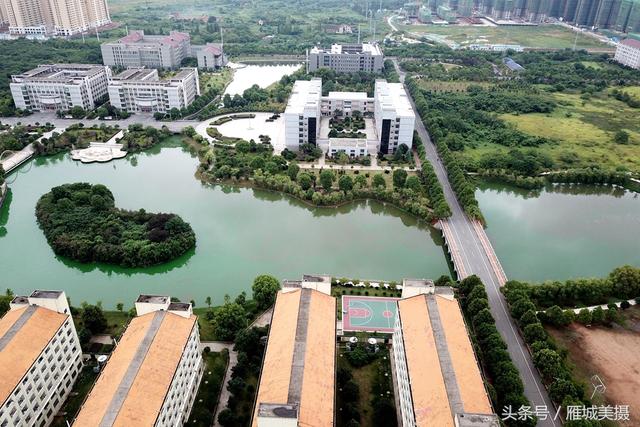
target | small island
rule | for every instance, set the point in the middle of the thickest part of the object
(81, 222)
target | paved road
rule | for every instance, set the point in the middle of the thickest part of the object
(476, 262)
(223, 397)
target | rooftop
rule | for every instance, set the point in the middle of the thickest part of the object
(305, 93)
(434, 334)
(392, 96)
(418, 283)
(350, 49)
(150, 76)
(154, 299)
(59, 73)
(299, 363)
(631, 43)
(46, 294)
(20, 299)
(179, 306)
(349, 95)
(347, 143)
(139, 37)
(277, 410)
(134, 383)
(24, 334)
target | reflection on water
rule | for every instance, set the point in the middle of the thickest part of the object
(563, 230)
(241, 232)
(262, 75)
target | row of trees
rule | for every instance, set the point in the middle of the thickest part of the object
(564, 390)
(80, 221)
(506, 389)
(441, 208)
(622, 283)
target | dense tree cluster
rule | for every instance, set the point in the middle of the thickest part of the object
(506, 388)
(441, 208)
(139, 138)
(80, 221)
(564, 390)
(265, 288)
(18, 137)
(622, 283)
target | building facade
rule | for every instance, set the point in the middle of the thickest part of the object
(141, 90)
(347, 58)
(297, 380)
(628, 53)
(53, 17)
(152, 376)
(435, 366)
(60, 87)
(394, 116)
(302, 115)
(139, 50)
(40, 358)
(210, 56)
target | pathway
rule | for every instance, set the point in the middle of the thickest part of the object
(16, 159)
(474, 256)
(223, 397)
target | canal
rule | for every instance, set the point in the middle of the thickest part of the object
(563, 231)
(240, 232)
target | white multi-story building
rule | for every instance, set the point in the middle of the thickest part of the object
(60, 87)
(352, 147)
(139, 50)
(302, 115)
(347, 58)
(40, 358)
(152, 376)
(394, 116)
(437, 377)
(53, 18)
(628, 53)
(297, 381)
(347, 103)
(210, 56)
(142, 90)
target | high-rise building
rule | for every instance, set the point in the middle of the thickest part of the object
(628, 53)
(347, 58)
(297, 382)
(40, 358)
(152, 376)
(394, 117)
(302, 115)
(60, 87)
(141, 90)
(54, 17)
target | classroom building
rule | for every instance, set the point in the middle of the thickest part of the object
(437, 377)
(40, 358)
(152, 376)
(347, 58)
(142, 90)
(60, 87)
(297, 381)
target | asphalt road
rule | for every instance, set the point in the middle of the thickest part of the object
(477, 262)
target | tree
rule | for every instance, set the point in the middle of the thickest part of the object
(621, 137)
(626, 281)
(361, 181)
(326, 179)
(379, 181)
(345, 183)
(93, 318)
(549, 362)
(264, 289)
(534, 332)
(399, 178)
(584, 316)
(597, 316)
(413, 183)
(228, 320)
(443, 280)
(120, 307)
(2, 175)
(207, 301)
(305, 180)
(293, 171)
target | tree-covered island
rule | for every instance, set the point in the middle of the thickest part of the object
(81, 222)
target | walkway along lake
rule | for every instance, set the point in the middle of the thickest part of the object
(241, 233)
(564, 231)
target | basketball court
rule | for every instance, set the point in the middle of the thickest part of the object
(372, 314)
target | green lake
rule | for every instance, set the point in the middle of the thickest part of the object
(240, 233)
(564, 231)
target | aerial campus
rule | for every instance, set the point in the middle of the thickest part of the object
(361, 213)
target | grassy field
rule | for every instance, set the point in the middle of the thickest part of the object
(218, 80)
(542, 36)
(117, 322)
(449, 85)
(585, 131)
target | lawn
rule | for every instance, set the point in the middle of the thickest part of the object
(79, 392)
(542, 36)
(210, 386)
(218, 80)
(585, 131)
(117, 322)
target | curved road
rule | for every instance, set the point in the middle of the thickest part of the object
(476, 261)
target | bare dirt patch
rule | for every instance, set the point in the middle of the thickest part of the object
(611, 353)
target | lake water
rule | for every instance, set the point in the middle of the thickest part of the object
(262, 75)
(563, 231)
(240, 233)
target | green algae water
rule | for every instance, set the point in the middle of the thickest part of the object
(563, 231)
(240, 233)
